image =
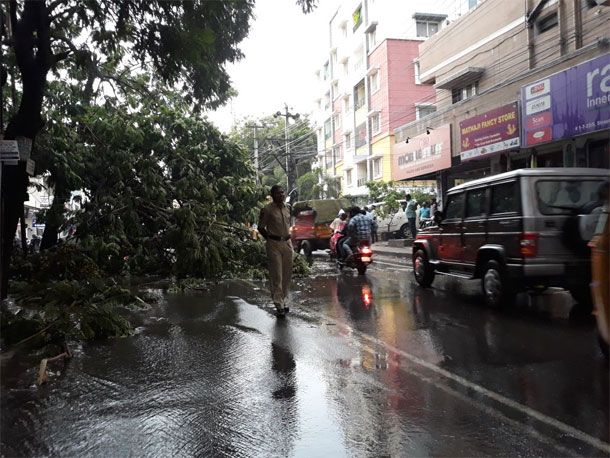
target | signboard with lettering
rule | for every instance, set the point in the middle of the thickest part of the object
(424, 154)
(573, 102)
(494, 131)
(9, 151)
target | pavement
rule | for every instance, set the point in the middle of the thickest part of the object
(385, 249)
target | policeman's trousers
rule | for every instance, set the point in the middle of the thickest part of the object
(279, 256)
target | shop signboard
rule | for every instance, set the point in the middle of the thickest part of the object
(573, 102)
(491, 132)
(424, 154)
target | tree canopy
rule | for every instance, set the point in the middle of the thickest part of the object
(124, 44)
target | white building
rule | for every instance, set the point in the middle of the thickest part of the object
(368, 83)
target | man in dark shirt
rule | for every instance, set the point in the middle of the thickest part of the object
(359, 228)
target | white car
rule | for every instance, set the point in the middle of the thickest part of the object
(393, 222)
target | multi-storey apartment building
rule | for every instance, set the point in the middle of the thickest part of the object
(368, 84)
(517, 84)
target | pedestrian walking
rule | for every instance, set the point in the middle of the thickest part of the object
(433, 207)
(274, 226)
(411, 215)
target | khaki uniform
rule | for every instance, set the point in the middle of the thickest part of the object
(275, 220)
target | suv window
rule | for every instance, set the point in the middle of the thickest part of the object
(563, 197)
(503, 198)
(455, 206)
(476, 203)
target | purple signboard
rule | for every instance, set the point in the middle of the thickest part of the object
(569, 103)
(494, 131)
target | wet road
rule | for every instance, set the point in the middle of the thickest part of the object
(363, 366)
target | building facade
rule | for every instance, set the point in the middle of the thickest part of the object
(527, 84)
(368, 84)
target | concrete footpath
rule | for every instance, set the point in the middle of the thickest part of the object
(391, 249)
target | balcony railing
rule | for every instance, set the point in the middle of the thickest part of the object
(361, 182)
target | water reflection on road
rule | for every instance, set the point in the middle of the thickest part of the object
(218, 374)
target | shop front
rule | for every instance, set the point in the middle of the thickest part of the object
(488, 143)
(418, 161)
(566, 117)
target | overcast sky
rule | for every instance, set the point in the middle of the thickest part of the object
(282, 52)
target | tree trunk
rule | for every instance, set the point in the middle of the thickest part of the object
(24, 239)
(32, 46)
(54, 221)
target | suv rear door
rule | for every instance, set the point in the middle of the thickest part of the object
(504, 225)
(450, 247)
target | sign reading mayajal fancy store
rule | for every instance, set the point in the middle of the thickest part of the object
(493, 131)
(573, 102)
(424, 154)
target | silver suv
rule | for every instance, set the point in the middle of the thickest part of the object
(520, 229)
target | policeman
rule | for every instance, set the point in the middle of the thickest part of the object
(273, 225)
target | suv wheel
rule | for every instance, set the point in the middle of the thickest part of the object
(423, 271)
(495, 286)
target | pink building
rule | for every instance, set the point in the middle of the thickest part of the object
(396, 98)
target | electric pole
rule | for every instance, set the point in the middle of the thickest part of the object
(290, 180)
(255, 127)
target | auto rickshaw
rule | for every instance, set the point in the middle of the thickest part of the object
(310, 229)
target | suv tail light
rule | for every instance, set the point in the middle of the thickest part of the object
(529, 244)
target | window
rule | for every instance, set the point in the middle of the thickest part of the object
(345, 65)
(426, 29)
(476, 203)
(327, 101)
(374, 81)
(337, 121)
(348, 140)
(328, 158)
(348, 177)
(372, 38)
(562, 197)
(357, 17)
(472, 4)
(338, 153)
(377, 171)
(327, 129)
(462, 93)
(361, 135)
(455, 206)
(347, 104)
(335, 88)
(546, 23)
(344, 30)
(326, 71)
(359, 96)
(424, 110)
(375, 123)
(503, 198)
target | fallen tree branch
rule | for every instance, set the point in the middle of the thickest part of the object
(42, 369)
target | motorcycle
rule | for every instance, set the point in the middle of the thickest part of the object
(363, 255)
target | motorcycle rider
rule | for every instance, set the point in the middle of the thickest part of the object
(359, 229)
